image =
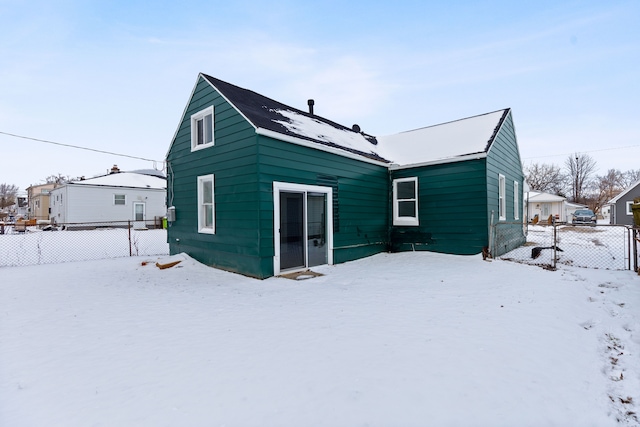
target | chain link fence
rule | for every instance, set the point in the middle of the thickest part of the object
(601, 246)
(22, 244)
(636, 249)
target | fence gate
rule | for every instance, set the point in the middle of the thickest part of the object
(602, 246)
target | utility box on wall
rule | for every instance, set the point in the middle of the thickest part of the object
(171, 214)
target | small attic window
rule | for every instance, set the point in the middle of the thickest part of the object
(202, 129)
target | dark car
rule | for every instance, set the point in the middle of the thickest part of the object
(584, 216)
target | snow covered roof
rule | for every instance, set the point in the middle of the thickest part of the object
(125, 179)
(457, 140)
(266, 113)
(535, 196)
(443, 142)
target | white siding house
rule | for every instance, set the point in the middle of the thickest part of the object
(119, 196)
(545, 204)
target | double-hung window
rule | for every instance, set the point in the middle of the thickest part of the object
(405, 201)
(206, 211)
(502, 201)
(629, 210)
(119, 199)
(202, 129)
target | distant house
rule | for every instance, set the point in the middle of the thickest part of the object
(38, 200)
(543, 205)
(118, 196)
(620, 206)
(261, 188)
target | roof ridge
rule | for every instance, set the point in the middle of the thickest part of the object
(455, 121)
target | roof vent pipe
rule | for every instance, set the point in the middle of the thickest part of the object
(310, 103)
(356, 128)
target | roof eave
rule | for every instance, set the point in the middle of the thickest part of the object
(310, 144)
(463, 158)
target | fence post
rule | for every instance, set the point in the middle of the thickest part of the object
(636, 239)
(555, 243)
(129, 228)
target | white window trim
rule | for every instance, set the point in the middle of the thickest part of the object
(405, 220)
(628, 204)
(502, 201)
(516, 200)
(144, 211)
(119, 204)
(197, 116)
(302, 188)
(201, 228)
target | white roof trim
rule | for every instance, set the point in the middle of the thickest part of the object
(475, 156)
(317, 146)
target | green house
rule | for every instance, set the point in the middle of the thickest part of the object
(261, 188)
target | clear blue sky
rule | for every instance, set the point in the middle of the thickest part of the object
(116, 75)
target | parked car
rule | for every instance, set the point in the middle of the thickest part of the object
(584, 216)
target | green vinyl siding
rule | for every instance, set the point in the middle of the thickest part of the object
(504, 158)
(233, 162)
(361, 205)
(451, 209)
(245, 165)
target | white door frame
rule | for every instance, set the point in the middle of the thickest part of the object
(300, 188)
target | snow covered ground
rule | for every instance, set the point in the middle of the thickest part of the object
(409, 339)
(603, 246)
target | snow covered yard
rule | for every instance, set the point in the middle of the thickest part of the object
(408, 339)
(602, 246)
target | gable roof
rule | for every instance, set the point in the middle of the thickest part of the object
(462, 139)
(124, 179)
(459, 140)
(625, 192)
(267, 114)
(536, 196)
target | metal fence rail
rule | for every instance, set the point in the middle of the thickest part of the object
(601, 246)
(21, 246)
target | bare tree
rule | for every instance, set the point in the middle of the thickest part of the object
(580, 169)
(630, 177)
(57, 179)
(605, 188)
(7, 195)
(544, 177)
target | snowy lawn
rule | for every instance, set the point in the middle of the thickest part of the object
(410, 339)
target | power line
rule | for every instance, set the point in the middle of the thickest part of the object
(80, 148)
(582, 151)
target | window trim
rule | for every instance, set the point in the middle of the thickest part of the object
(198, 116)
(628, 205)
(120, 204)
(410, 221)
(201, 227)
(516, 200)
(502, 200)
